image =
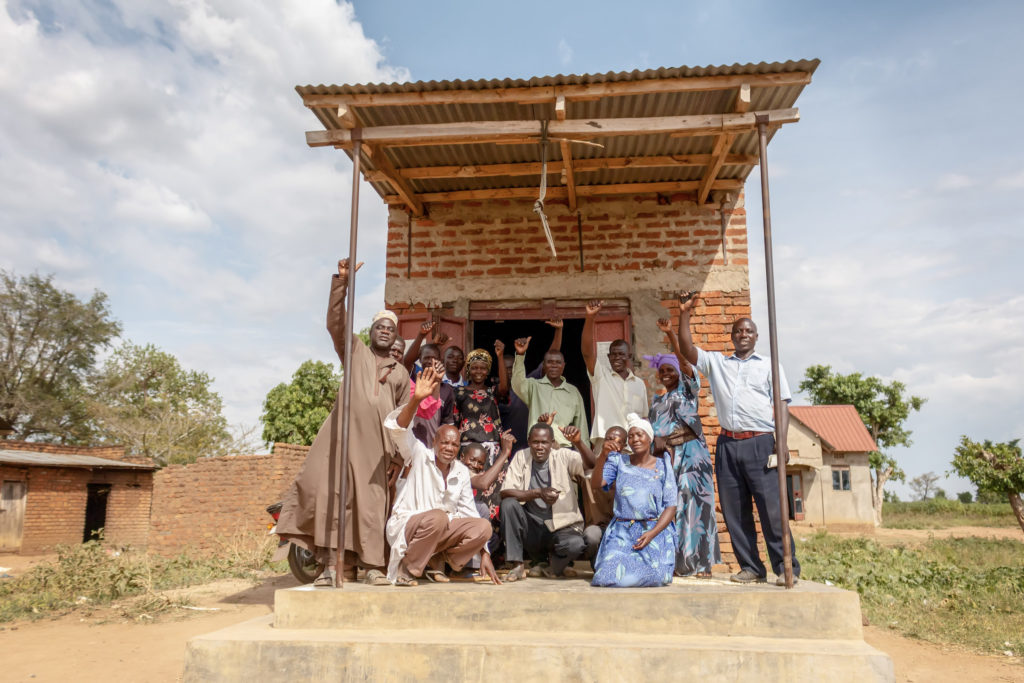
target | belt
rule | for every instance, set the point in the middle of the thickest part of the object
(739, 436)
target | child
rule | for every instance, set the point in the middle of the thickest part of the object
(487, 482)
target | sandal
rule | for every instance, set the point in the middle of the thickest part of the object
(406, 581)
(436, 576)
(325, 580)
(516, 574)
(375, 577)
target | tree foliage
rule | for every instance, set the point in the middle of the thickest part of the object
(993, 467)
(924, 484)
(294, 412)
(49, 339)
(884, 408)
(145, 400)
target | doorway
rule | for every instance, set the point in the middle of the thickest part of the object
(486, 331)
(95, 511)
(794, 484)
(12, 514)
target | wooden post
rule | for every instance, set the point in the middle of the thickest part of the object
(769, 271)
(346, 392)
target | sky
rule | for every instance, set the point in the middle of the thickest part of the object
(155, 151)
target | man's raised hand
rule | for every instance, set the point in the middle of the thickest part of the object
(343, 269)
(522, 344)
(556, 323)
(547, 418)
(426, 327)
(572, 434)
(426, 383)
(499, 348)
(594, 307)
(687, 300)
(507, 441)
(665, 325)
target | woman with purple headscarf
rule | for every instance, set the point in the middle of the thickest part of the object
(678, 433)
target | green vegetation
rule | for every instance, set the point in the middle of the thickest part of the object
(92, 575)
(294, 412)
(962, 591)
(939, 513)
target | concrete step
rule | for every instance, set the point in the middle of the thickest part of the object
(257, 651)
(687, 608)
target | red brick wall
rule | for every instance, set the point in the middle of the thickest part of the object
(200, 506)
(55, 505)
(645, 248)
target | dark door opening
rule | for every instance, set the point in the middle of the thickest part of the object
(95, 511)
(794, 484)
(486, 331)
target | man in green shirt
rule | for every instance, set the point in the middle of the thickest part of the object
(549, 394)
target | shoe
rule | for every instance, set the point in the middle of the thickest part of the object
(747, 576)
(781, 581)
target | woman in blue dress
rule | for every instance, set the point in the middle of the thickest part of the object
(678, 432)
(639, 545)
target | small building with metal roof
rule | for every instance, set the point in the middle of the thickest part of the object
(829, 473)
(56, 495)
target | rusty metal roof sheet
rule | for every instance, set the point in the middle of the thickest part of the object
(839, 427)
(774, 87)
(63, 460)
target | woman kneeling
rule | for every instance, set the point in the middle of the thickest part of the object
(639, 545)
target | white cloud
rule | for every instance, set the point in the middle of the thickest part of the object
(1014, 181)
(954, 181)
(564, 52)
(155, 150)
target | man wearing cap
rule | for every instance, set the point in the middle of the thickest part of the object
(742, 387)
(380, 384)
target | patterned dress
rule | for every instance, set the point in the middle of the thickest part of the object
(691, 462)
(641, 495)
(476, 415)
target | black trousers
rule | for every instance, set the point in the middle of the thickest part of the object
(525, 535)
(741, 467)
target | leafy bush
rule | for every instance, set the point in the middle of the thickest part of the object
(968, 591)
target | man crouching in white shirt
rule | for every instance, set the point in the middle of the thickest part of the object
(434, 519)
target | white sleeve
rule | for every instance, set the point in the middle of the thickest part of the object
(466, 507)
(784, 385)
(408, 444)
(704, 362)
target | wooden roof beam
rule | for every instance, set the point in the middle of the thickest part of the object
(570, 177)
(400, 185)
(562, 193)
(472, 132)
(546, 94)
(722, 145)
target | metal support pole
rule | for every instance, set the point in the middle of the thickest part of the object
(769, 271)
(725, 224)
(346, 392)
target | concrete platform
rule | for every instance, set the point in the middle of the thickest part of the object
(544, 629)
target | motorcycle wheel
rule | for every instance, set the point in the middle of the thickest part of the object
(303, 564)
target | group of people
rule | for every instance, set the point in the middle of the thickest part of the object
(451, 472)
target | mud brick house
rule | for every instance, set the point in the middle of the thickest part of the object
(642, 176)
(53, 495)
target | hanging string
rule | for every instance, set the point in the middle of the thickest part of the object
(538, 206)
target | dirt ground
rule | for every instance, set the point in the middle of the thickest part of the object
(105, 647)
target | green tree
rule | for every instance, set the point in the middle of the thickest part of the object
(294, 412)
(146, 401)
(884, 408)
(49, 339)
(964, 497)
(996, 467)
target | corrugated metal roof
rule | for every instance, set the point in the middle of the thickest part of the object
(415, 109)
(60, 460)
(840, 427)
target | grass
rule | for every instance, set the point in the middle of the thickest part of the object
(92, 575)
(962, 591)
(941, 514)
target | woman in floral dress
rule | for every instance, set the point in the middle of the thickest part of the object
(678, 432)
(639, 546)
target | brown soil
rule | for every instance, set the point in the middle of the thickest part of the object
(104, 647)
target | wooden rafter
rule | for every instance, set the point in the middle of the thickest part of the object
(405, 192)
(579, 166)
(470, 132)
(567, 169)
(723, 142)
(543, 94)
(562, 193)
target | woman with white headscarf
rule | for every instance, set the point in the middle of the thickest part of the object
(639, 545)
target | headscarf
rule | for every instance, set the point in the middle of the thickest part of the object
(479, 356)
(635, 421)
(659, 359)
(385, 314)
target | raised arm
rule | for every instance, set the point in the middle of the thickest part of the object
(412, 354)
(519, 384)
(483, 481)
(336, 307)
(556, 341)
(587, 339)
(687, 300)
(665, 325)
(425, 385)
(499, 355)
(574, 436)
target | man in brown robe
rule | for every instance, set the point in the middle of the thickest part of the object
(309, 515)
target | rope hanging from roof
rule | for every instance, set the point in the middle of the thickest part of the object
(538, 206)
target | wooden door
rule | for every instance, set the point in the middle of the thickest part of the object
(608, 328)
(12, 514)
(455, 328)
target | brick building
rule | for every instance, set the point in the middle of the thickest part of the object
(642, 175)
(54, 495)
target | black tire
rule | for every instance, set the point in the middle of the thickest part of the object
(303, 564)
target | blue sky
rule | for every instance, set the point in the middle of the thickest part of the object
(154, 150)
